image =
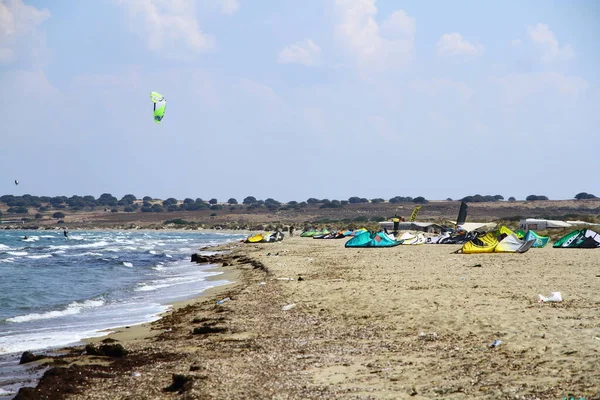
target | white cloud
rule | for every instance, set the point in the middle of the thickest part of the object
(388, 46)
(516, 42)
(6, 55)
(542, 36)
(230, 7)
(437, 86)
(383, 129)
(305, 52)
(453, 44)
(129, 78)
(259, 105)
(24, 83)
(171, 26)
(17, 21)
(519, 87)
(30, 92)
(259, 91)
(206, 88)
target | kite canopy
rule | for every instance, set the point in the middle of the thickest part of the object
(368, 239)
(540, 241)
(582, 239)
(160, 105)
(314, 232)
(502, 240)
(259, 237)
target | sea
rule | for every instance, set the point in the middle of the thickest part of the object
(57, 290)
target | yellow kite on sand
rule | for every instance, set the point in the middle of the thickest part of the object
(502, 240)
(259, 237)
(266, 237)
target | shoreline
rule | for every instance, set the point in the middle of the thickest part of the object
(403, 322)
(143, 331)
(45, 358)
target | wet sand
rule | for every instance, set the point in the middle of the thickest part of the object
(403, 322)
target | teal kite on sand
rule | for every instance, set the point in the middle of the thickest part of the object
(368, 239)
(160, 106)
(540, 241)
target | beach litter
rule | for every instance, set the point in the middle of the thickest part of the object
(135, 373)
(262, 283)
(495, 343)
(285, 279)
(476, 265)
(288, 306)
(554, 297)
(428, 336)
(223, 301)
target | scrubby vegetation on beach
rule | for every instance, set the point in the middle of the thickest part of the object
(130, 212)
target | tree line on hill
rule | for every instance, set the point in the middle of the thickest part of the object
(130, 203)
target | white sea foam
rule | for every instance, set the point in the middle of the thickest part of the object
(101, 243)
(6, 392)
(35, 341)
(17, 253)
(127, 264)
(40, 256)
(8, 260)
(4, 247)
(87, 253)
(32, 239)
(149, 288)
(76, 237)
(72, 309)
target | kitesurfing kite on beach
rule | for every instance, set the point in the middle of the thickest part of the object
(160, 105)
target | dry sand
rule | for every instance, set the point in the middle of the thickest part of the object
(403, 322)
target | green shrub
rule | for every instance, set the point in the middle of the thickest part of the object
(177, 221)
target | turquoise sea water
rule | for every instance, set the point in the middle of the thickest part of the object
(56, 291)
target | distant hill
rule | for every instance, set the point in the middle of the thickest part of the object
(239, 215)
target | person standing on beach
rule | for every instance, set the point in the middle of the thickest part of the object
(291, 230)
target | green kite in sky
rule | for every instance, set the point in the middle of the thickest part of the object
(160, 106)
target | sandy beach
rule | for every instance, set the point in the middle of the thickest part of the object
(392, 323)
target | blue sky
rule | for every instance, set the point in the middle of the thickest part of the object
(291, 100)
